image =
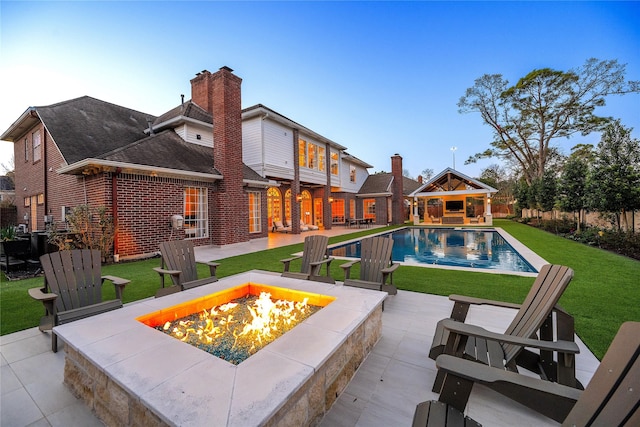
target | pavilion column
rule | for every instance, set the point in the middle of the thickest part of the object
(487, 216)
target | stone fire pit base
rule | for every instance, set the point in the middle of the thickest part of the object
(132, 375)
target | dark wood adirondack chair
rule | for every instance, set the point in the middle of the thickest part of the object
(73, 288)
(179, 263)
(433, 414)
(538, 317)
(376, 266)
(612, 397)
(314, 256)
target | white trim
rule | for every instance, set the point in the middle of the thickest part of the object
(133, 168)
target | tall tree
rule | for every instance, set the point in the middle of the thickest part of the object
(614, 182)
(572, 188)
(544, 105)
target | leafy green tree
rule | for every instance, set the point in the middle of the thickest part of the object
(544, 105)
(614, 182)
(572, 188)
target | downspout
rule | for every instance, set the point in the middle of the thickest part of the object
(46, 174)
(114, 209)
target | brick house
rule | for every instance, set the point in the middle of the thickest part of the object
(228, 172)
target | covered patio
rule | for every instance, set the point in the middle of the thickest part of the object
(452, 198)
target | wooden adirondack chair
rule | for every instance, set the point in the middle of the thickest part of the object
(314, 256)
(179, 263)
(375, 266)
(73, 288)
(535, 316)
(612, 397)
(433, 414)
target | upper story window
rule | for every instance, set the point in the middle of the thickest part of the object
(312, 154)
(36, 146)
(302, 153)
(352, 173)
(27, 149)
(321, 159)
(334, 163)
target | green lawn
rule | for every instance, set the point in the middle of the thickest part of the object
(604, 293)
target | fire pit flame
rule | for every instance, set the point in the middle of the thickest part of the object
(214, 329)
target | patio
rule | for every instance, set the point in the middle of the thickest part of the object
(392, 380)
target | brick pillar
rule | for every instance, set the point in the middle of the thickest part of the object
(397, 198)
(326, 206)
(230, 213)
(295, 185)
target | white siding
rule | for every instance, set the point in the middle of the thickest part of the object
(278, 150)
(345, 170)
(252, 145)
(180, 130)
(192, 132)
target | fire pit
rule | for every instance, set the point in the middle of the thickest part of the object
(236, 323)
(131, 374)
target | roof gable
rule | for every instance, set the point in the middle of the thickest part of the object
(450, 180)
(376, 184)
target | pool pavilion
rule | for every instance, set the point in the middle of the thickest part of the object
(452, 198)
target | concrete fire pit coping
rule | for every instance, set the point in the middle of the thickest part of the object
(183, 385)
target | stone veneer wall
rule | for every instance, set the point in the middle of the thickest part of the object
(116, 407)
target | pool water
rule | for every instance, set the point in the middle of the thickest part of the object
(481, 249)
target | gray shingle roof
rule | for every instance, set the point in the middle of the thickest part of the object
(188, 109)
(165, 150)
(381, 183)
(376, 183)
(86, 127)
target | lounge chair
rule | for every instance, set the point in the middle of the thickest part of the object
(536, 315)
(179, 263)
(612, 397)
(435, 220)
(308, 226)
(73, 289)
(314, 256)
(280, 228)
(376, 266)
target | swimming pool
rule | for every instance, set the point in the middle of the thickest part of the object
(478, 249)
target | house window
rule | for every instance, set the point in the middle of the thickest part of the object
(287, 205)
(337, 211)
(36, 146)
(369, 207)
(27, 202)
(41, 199)
(312, 154)
(321, 159)
(302, 153)
(334, 163)
(255, 213)
(26, 150)
(274, 205)
(352, 173)
(195, 212)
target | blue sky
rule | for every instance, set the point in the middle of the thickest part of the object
(377, 77)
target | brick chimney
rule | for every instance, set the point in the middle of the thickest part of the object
(397, 198)
(220, 94)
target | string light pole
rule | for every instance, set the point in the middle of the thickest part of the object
(453, 150)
